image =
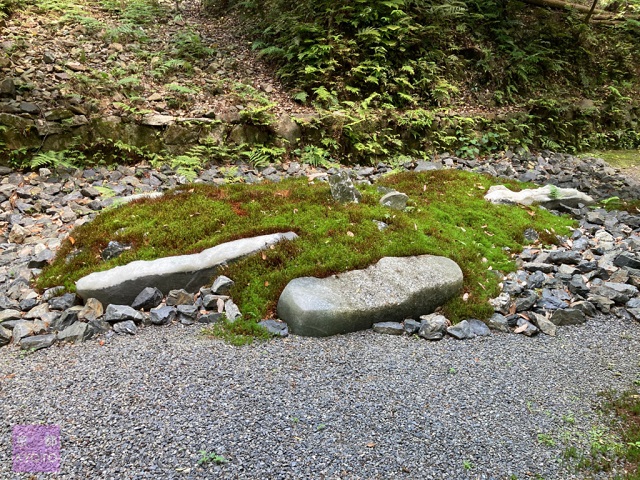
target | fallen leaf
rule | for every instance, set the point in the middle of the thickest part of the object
(264, 256)
(521, 328)
(371, 445)
(350, 234)
(72, 240)
(512, 309)
(266, 284)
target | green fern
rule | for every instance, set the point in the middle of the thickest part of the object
(52, 159)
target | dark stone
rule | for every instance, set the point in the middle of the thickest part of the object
(210, 302)
(187, 314)
(28, 303)
(78, 332)
(5, 336)
(67, 318)
(411, 326)
(125, 327)
(179, 297)
(98, 326)
(210, 318)
(568, 316)
(148, 298)
(389, 328)
(222, 285)
(627, 259)
(342, 188)
(120, 313)
(433, 326)
(565, 257)
(162, 315)
(539, 267)
(526, 300)
(498, 322)
(578, 286)
(551, 300)
(64, 302)
(275, 328)
(478, 327)
(461, 331)
(531, 235)
(114, 249)
(38, 341)
(8, 88)
(42, 259)
(28, 107)
(536, 279)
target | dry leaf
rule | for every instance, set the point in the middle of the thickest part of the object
(72, 240)
(266, 284)
(512, 309)
(371, 445)
(465, 297)
(220, 305)
(350, 234)
(521, 328)
(264, 256)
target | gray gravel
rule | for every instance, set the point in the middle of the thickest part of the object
(362, 405)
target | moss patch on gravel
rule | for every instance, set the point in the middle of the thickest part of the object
(447, 216)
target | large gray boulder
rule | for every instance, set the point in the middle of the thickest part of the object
(121, 285)
(391, 290)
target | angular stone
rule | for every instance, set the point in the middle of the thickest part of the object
(433, 326)
(543, 323)
(122, 284)
(120, 313)
(461, 331)
(549, 197)
(603, 304)
(411, 326)
(63, 302)
(125, 327)
(148, 298)
(342, 188)
(231, 311)
(391, 290)
(68, 317)
(395, 200)
(37, 312)
(275, 328)
(21, 329)
(388, 328)
(10, 314)
(187, 314)
(565, 257)
(526, 300)
(156, 120)
(627, 259)
(114, 249)
(568, 316)
(78, 332)
(18, 234)
(498, 322)
(179, 297)
(539, 267)
(210, 318)
(501, 304)
(92, 310)
(162, 315)
(478, 327)
(5, 336)
(98, 326)
(222, 285)
(42, 259)
(210, 302)
(37, 342)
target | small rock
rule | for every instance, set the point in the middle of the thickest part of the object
(148, 298)
(526, 300)
(78, 332)
(5, 336)
(42, 259)
(543, 323)
(501, 303)
(92, 310)
(210, 318)
(64, 302)
(18, 234)
(179, 297)
(222, 285)
(37, 342)
(68, 318)
(433, 326)
(162, 315)
(478, 327)
(187, 314)
(526, 328)
(37, 312)
(499, 322)
(411, 326)
(114, 249)
(388, 328)
(10, 314)
(461, 331)
(342, 188)
(125, 327)
(395, 200)
(568, 316)
(231, 310)
(98, 326)
(210, 302)
(120, 313)
(8, 88)
(275, 328)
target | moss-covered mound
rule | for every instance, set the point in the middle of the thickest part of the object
(447, 216)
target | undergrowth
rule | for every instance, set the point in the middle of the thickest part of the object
(447, 216)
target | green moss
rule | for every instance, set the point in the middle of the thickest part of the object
(447, 216)
(619, 158)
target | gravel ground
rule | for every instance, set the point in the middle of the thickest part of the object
(362, 405)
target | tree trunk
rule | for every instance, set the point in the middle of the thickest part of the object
(593, 7)
(569, 6)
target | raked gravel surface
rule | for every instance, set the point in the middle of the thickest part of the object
(357, 406)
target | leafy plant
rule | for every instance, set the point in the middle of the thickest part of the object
(188, 45)
(53, 159)
(211, 457)
(261, 156)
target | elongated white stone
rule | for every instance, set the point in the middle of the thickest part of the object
(121, 285)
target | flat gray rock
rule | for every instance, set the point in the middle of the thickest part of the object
(391, 290)
(548, 196)
(389, 328)
(37, 342)
(121, 285)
